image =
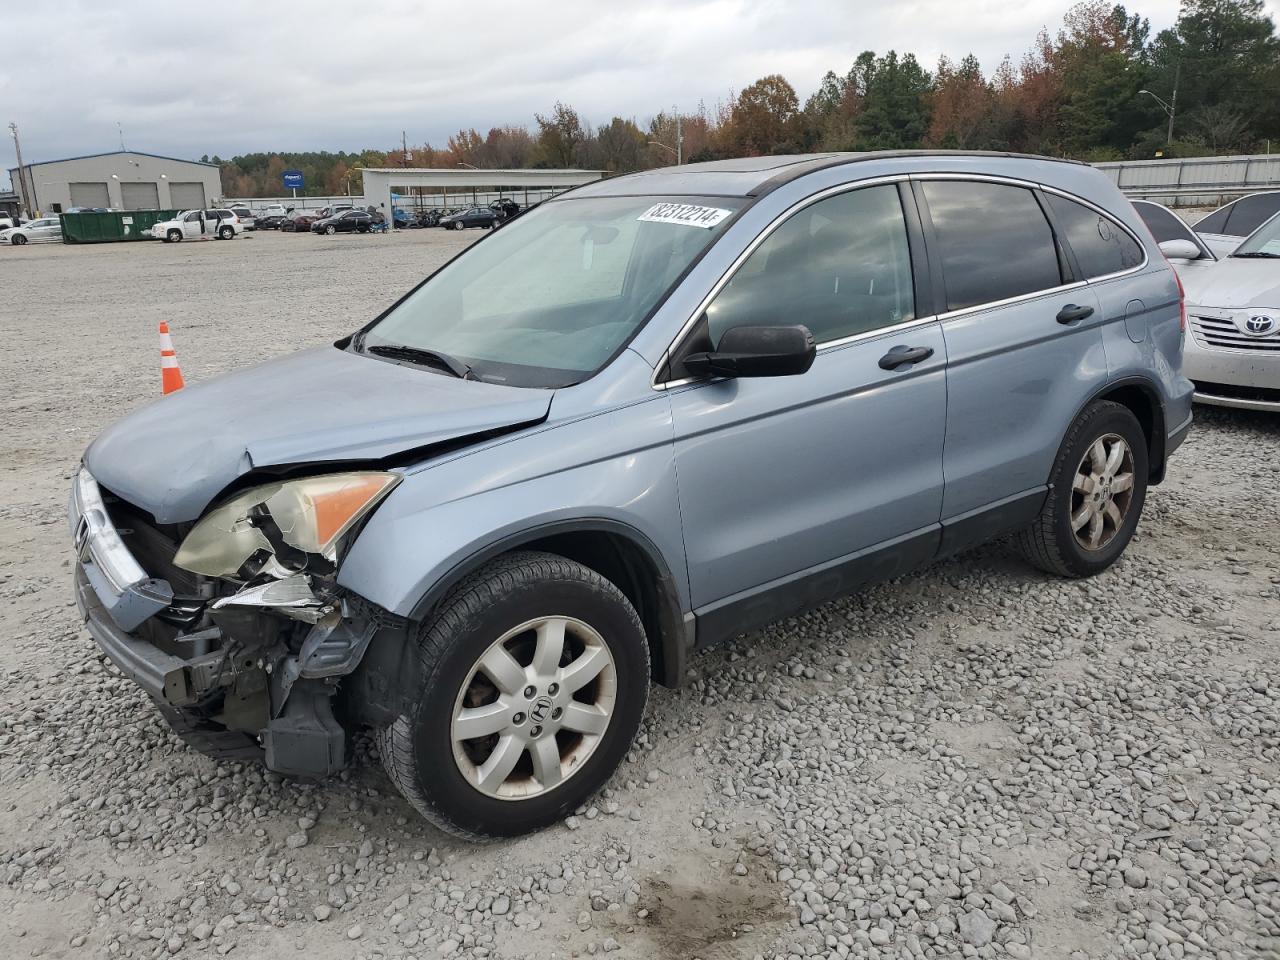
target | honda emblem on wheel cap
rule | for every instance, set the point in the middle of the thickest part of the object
(1259, 325)
(541, 709)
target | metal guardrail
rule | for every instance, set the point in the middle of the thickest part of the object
(1197, 181)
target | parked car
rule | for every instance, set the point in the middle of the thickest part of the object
(856, 364)
(247, 220)
(299, 221)
(349, 221)
(273, 220)
(1223, 229)
(46, 229)
(1233, 303)
(471, 217)
(216, 224)
(505, 208)
(332, 211)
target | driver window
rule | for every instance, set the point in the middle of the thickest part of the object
(191, 217)
(840, 266)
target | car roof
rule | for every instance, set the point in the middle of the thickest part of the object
(756, 176)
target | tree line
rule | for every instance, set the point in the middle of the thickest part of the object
(1099, 88)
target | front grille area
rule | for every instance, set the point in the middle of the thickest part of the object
(154, 545)
(1223, 334)
(1231, 391)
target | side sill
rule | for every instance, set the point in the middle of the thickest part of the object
(803, 591)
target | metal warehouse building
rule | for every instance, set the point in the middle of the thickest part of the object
(123, 179)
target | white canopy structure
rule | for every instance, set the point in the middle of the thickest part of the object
(459, 187)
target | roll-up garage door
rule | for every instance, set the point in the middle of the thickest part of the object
(186, 196)
(89, 195)
(140, 196)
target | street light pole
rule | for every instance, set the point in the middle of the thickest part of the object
(27, 187)
(1167, 108)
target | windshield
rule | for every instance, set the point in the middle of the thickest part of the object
(548, 299)
(1263, 242)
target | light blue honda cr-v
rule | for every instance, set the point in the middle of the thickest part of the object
(646, 416)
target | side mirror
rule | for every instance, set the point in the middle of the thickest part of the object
(1180, 250)
(781, 351)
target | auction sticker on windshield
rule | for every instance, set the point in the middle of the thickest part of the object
(686, 214)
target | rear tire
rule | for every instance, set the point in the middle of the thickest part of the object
(226, 233)
(489, 655)
(1096, 493)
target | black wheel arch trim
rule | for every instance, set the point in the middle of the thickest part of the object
(1157, 440)
(673, 641)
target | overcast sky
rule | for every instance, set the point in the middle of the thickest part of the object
(190, 78)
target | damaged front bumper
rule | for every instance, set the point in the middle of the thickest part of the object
(265, 661)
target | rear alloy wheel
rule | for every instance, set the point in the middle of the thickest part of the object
(535, 671)
(1097, 490)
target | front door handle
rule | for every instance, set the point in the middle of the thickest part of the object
(903, 354)
(1072, 313)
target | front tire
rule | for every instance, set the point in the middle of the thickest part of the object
(330, 230)
(1096, 493)
(19, 239)
(535, 671)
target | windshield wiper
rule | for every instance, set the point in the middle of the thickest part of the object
(419, 355)
(1257, 255)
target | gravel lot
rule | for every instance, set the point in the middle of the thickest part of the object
(972, 761)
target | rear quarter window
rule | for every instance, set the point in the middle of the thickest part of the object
(1100, 244)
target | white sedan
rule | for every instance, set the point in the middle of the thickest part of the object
(1233, 308)
(33, 231)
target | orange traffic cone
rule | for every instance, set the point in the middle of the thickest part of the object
(170, 374)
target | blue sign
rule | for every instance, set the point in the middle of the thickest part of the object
(293, 179)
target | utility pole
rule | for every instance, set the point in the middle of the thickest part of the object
(679, 138)
(404, 149)
(28, 187)
(1173, 101)
(121, 129)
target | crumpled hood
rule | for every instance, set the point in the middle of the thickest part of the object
(1232, 283)
(323, 405)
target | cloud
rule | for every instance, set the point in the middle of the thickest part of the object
(245, 75)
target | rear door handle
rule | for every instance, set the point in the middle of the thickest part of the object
(903, 354)
(1071, 313)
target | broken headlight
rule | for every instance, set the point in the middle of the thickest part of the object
(280, 529)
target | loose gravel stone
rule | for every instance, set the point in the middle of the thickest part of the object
(975, 760)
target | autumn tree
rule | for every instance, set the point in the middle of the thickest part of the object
(962, 107)
(558, 136)
(763, 119)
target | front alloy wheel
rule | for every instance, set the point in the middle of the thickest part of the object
(534, 708)
(533, 676)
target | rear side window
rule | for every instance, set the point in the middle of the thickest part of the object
(1100, 244)
(840, 266)
(993, 241)
(1249, 213)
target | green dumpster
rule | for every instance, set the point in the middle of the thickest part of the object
(112, 227)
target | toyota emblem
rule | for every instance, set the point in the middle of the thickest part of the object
(1259, 325)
